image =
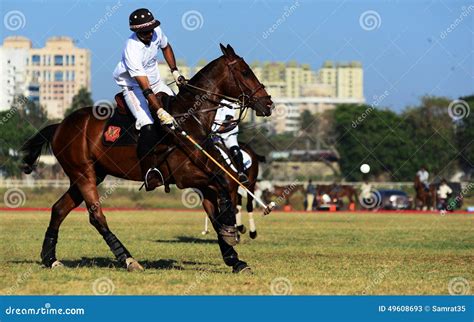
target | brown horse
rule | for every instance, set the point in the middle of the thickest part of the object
(424, 198)
(284, 193)
(76, 143)
(338, 192)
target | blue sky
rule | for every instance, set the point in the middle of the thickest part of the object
(404, 52)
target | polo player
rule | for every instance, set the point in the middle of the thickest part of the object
(138, 76)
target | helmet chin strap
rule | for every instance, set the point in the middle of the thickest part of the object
(143, 40)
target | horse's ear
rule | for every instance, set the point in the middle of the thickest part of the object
(223, 49)
(230, 50)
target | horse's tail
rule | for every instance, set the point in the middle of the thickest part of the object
(33, 147)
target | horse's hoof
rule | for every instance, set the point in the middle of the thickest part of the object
(242, 229)
(241, 268)
(253, 234)
(205, 232)
(57, 264)
(133, 265)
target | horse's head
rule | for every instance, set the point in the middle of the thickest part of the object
(244, 84)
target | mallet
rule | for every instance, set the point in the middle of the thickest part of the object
(266, 208)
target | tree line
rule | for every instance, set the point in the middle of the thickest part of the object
(395, 145)
(438, 133)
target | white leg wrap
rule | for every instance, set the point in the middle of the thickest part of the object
(238, 216)
(252, 222)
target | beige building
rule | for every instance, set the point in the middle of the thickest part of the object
(58, 71)
(345, 79)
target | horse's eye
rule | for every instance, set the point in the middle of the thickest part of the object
(246, 72)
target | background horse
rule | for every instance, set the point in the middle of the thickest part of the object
(77, 144)
(284, 193)
(252, 174)
(424, 198)
(338, 192)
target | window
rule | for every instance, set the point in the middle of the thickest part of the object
(73, 75)
(58, 76)
(67, 60)
(35, 60)
(58, 60)
(73, 60)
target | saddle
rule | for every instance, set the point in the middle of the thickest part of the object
(119, 129)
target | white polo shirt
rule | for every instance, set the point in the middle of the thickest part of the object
(423, 175)
(139, 59)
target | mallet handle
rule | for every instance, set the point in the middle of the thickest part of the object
(183, 133)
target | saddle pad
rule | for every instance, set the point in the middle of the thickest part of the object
(119, 130)
(228, 160)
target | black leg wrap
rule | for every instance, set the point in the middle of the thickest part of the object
(119, 250)
(229, 254)
(237, 157)
(48, 251)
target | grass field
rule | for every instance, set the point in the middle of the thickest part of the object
(296, 253)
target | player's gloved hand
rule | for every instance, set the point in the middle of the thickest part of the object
(179, 79)
(166, 118)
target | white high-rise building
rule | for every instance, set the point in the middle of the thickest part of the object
(13, 76)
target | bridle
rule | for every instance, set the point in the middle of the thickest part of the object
(242, 100)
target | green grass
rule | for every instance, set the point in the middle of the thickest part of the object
(339, 253)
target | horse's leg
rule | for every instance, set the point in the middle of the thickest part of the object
(206, 226)
(252, 227)
(229, 254)
(63, 207)
(70, 200)
(238, 215)
(86, 183)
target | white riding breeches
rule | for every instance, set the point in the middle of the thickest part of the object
(230, 140)
(138, 104)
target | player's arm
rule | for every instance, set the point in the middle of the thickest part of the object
(168, 54)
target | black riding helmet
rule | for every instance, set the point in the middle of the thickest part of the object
(142, 20)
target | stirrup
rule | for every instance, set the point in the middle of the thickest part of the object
(243, 178)
(147, 187)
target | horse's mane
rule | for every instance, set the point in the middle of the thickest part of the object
(198, 76)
